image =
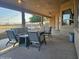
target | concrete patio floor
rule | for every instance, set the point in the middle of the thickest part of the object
(3, 43)
(58, 47)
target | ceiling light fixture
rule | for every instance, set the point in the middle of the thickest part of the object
(20, 1)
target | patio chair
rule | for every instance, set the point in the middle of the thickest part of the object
(19, 32)
(12, 38)
(35, 39)
(47, 31)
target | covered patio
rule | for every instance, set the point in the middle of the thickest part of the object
(58, 45)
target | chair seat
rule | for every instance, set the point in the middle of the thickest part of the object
(12, 41)
(35, 42)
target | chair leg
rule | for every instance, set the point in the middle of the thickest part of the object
(7, 43)
(14, 44)
(39, 47)
(19, 42)
(50, 36)
(44, 40)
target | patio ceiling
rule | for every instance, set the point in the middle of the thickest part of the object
(43, 7)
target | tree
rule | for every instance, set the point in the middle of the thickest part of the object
(35, 19)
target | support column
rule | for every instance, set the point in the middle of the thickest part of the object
(57, 22)
(23, 19)
(76, 13)
(54, 21)
(42, 20)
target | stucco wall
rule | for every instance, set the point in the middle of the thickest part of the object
(65, 6)
(76, 24)
(58, 15)
(77, 42)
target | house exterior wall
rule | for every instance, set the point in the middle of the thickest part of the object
(65, 6)
(56, 20)
(76, 30)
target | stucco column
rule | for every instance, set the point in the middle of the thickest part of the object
(57, 22)
(52, 22)
(75, 13)
(42, 20)
(23, 19)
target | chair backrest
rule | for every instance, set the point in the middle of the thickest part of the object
(20, 30)
(11, 35)
(33, 36)
(48, 29)
(14, 30)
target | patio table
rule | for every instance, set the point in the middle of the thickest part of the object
(24, 36)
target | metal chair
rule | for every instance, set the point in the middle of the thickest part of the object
(12, 38)
(47, 31)
(20, 34)
(35, 39)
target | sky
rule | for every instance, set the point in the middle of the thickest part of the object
(66, 16)
(12, 16)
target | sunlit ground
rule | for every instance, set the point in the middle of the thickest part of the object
(6, 26)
